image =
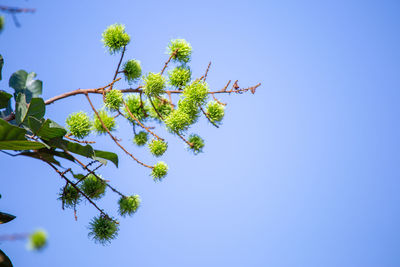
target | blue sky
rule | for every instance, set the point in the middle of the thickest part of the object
(303, 173)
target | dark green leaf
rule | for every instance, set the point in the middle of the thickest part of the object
(4, 98)
(36, 109)
(10, 132)
(46, 130)
(20, 145)
(107, 155)
(41, 155)
(22, 82)
(5, 217)
(21, 108)
(86, 151)
(1, 65)
(4, 260)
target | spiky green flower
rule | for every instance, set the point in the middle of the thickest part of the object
(159, 171)
(1, 23)
(196, 92)
(109, 122)
(140, 138)
(37, 240)
(215, 111)
(70, 196)
(93, 187)
(197, 143)
(179, 76)
(178, 121)
(132, 70)
(138, 109)
(190, 108)
(79, 124)
(103, 229)
(115, 38)
(183, 50)
(154, 84)
(128, 205)
(113, 99)
(163, 107)
(157, 147)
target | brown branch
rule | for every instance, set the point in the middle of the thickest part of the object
(119, 65)
(141, 124)
(80, 91)
(10, 117)
(167, 62)
(79, 141)
(112, 137)
(208, 68)
(16, 9)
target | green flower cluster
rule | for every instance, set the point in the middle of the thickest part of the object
(197, 143)
(179, 76)
(1, 23)
(183, 50)
(113, 99)
(70, 196)
(93, 187)
(128, 205)
(132, 70)
(103, 229)
(159, 171)
(163, 107)
(115, 38)
(109, 122)
(194, 95)
(157, 147)
(215, 111)
(79, 124)
(37, 240)
(154, 84)
(140, 138)
(138, 108)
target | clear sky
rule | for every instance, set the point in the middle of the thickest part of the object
(303, 173)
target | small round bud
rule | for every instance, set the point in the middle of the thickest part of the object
(182, 50)
(154, 84)
(132, 70)
(196, 92)
(113, 99)
(128, 205)
(215, 111)
(140, 138)
(70, 196)
(138, 108)
(197, 143)
(108, 121)
(37, 240)
(93, 187)
(115, 38)
(159, 171)
(179, 76)
(163, 107)
(79, 124)
(178, 121)
(103, 229)
(157, 147)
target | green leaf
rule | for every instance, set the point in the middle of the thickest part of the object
(1, 65)
(4, 260)
(46, 129)
(36, 109)
(107, 155)
(20, 145)
(4, 98)
(13, 138)
(10, 132)
(5, 217)
(21, 108)
(48, 155)
(22, 82)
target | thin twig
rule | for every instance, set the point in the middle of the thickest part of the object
(205, 114)
(119, 65)
(208, 68)
(169, 59)
(79, 141)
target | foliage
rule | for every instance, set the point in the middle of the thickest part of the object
(159, 171)
(197, 143)
(128, 205)
(137, 108)
(70, 196)
(1, 23)
(141, 138)
(132, 70)
(109, 122)
(154, 84)
(179, 76)
(113, 99)
(157, 147)
(94, 186)
(180, 50)
(215, 111)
